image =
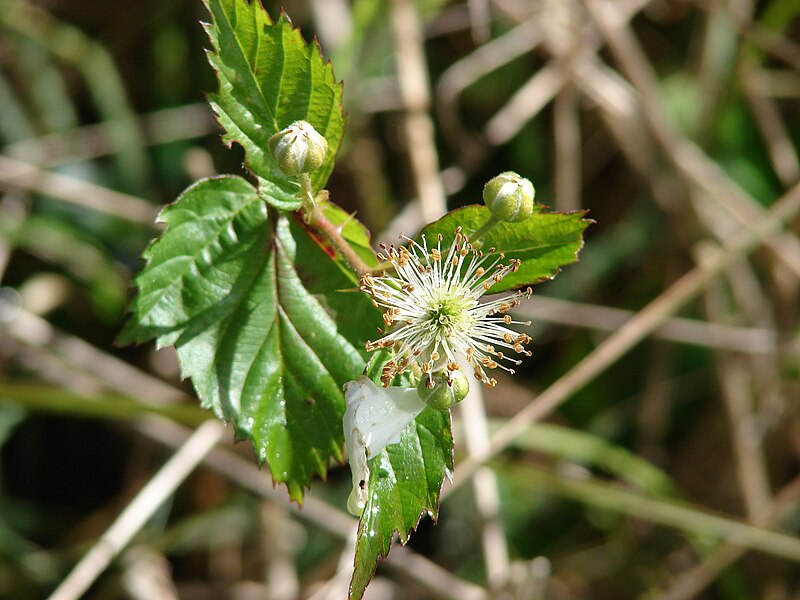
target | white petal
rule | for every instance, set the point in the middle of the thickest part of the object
(374, 418)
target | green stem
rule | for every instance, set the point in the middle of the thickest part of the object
(307, 192)
(490, 224)
(45, 399)
(305, 186)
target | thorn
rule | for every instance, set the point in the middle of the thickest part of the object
(349, 218)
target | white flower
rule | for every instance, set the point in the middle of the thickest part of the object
(432, 311)
(374, 417)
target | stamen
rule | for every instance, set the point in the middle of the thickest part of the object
(430, 306)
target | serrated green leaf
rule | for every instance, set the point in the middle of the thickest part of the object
(544, 243)
(228, 283)
(335, 287)
(278, 197)
(404, 484)
(269, 77)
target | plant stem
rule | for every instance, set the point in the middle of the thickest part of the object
(307, 192)
(305, 185)
(490, 224)
(317, 220)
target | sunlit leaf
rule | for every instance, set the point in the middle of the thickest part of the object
(543, 243)
(404, 485)
(269, 77)
(405, 481)
(227, 285)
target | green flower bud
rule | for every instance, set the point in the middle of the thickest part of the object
(509, 197)
(298, 149)
(443, 389)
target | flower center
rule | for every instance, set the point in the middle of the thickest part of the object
(447, 312)
(432, 313)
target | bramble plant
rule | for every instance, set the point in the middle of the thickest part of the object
(272, 295)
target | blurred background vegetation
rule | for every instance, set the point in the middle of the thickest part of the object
(675, 122)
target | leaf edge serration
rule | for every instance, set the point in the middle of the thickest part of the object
(257, 158)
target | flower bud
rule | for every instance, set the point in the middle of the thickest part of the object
(509, 197)
(298, 149)
(444, 389)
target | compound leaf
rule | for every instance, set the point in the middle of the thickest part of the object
(228, 285)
